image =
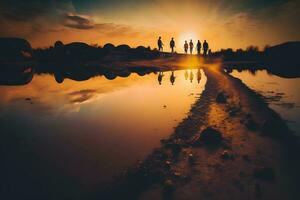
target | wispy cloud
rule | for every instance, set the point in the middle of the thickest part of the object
(78, 22)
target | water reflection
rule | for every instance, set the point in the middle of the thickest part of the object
(281, 93)
(16, 75)
(191, 76)
(85, 130)
(198, 76)
(172, 78)
(186, 75)
(160, 77)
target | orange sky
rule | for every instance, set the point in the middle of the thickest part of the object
(223, 25)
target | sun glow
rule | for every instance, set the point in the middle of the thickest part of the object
(187, 36)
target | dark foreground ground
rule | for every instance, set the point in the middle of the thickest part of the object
(230, 146)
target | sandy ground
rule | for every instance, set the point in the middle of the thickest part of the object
(257, 156)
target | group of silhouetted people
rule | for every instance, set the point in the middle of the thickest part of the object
(187, 76)
(187, 46)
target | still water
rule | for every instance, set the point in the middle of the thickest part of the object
(59, 137)
(282, 94)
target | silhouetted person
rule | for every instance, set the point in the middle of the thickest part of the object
(198, 75)
(198, 47)
(191, 76)
(172, 45)
(172, 78)
(205, 47)
(160, 44)
(186, 75)
(186, 47)
(160, 76)
(191, 44)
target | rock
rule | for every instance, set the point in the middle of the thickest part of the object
(210, 136)
(264, 173)
(226, 155)
(221, 98)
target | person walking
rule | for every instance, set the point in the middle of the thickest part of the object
(172, 45)
(160, 44)
(191, 44)
(186, 47)
(199, 47)
(205, 47)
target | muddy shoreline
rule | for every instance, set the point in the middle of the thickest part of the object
(256, 157)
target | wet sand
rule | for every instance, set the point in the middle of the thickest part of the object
(251, 154)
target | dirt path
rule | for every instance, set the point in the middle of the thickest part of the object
(249, 153)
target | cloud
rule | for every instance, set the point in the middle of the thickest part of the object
(78, 22)
(82, 95)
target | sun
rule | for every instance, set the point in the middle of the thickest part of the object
(187, 36)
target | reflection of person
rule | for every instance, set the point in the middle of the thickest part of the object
(191, 76)
(159, 78)
(160, 44)
(198, 75)
(172, 45)
(198, 47)
(186, 75)
(186, 46)
(191, 44)
(205, 47)
(172, 78)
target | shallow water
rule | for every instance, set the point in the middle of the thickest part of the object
(282, 94)
(59, 137)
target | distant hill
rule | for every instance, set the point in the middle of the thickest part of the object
(288, 51)
(15, 49)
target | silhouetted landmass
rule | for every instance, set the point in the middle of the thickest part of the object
(15, 49)
(74, 58)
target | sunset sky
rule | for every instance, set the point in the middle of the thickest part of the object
(224, 24)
